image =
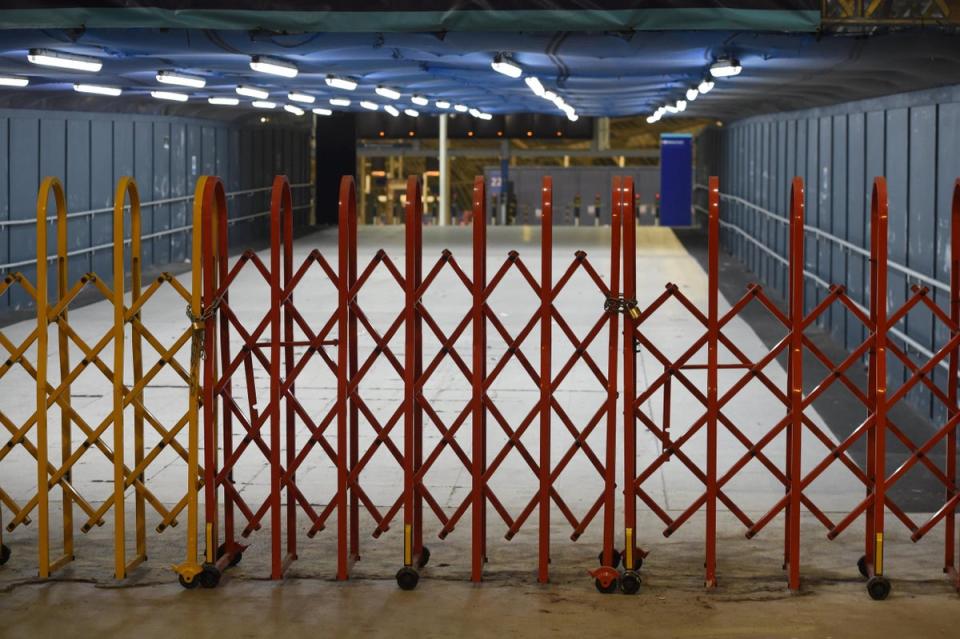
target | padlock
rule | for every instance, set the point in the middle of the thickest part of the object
(634, 312)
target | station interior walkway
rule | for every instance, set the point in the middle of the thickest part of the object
(674, 565)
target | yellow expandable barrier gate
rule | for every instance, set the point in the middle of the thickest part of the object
(149, 355)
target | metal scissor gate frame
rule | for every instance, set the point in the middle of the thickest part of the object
(219, 355)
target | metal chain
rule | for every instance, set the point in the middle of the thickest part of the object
(621, 305)
(198, 323)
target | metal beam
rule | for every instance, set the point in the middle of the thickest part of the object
(383, 151)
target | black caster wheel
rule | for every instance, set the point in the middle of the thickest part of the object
(210, 576)
(191, 584)
(616, 558)
(637, 563)
(606, 590)
(862, 566)
(222, 550)
(424, 556)
(629, 583)
(878, 587)
(5, 553)
(407, 578)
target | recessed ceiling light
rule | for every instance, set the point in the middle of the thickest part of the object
(13, 81)
(322, 111)
(535, 85)
(252, 92)
(181, 79)
(224, 101)
(419, 100)
(97, 89)
(387, 92)
(170, 95)
(61, 60)
(301, 97)
(341, 83)
(502, 64)
(272, 66)
(725, 68)
(263, 104)
(341, 102)
(290, 108)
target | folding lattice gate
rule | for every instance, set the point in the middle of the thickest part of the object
(228, 343)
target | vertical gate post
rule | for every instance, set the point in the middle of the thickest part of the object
(63, 341)
(622, 203)
(479, 447)
(412, 422)
(126, 188)
(795, 383)
(953, 371)
(876, 448)
(352, 363)
(347, 209)
(285, 198)
(220, 235)
(43, 487)
(713, 335)
(276, 571)
(211, 222)
(546, 344)
(629, 391)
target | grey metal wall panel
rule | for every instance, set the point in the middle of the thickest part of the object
(910, 139)
(90, 151)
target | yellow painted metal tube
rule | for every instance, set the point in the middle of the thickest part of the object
(63, 289)
(126, 188)
(49, 185)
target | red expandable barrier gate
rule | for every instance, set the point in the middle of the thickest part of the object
(281, 343)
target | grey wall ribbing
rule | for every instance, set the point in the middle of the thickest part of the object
(913, 139)
(89, 152)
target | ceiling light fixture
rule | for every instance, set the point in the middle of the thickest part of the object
(573, 117)
(692, 94)
(387, 92)
(290, 108)
(461, 108)
(60, 60)
(413, 113)
(370, 106)
(392, 110)
(502, 64)
(341, 83)
(681, 106)
(474, 112)
(224, 101)
(252, 92)
(442, 104)
(301, 97)
(535, 85)
(13, 81)
(725, 68)
(340, 102)
(170, 95)
(419, 100)
(485, 116)
(705, 86)
(263, 104)
(272, 66)
(97, 89)
(181, 79)
(322, 111)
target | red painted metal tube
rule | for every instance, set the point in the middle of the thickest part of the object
(222, 256)
(950, 540)
(352, 368)
(546, 390)
(623, 202)
(347, 210)
(795, 383)
(286, 201)
(478, 451)
(629, 390)
(411, 446)
(878, 258)
(713, 330)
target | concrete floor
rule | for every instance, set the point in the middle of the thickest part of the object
(835, 605)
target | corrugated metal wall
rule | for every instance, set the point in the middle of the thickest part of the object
(89, 152)
(912, 139)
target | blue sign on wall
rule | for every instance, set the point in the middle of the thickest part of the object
(676, 179)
